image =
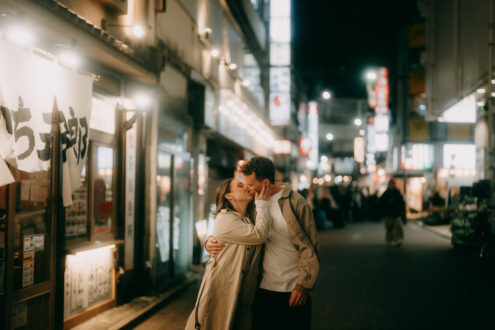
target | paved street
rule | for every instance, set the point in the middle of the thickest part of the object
(365, 285)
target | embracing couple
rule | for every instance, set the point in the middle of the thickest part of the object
(265, 256)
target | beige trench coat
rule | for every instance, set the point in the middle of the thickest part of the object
(230, 279)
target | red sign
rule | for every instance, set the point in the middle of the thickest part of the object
(304, 146)
(381, 91)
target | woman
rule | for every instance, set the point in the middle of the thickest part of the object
(229, 282)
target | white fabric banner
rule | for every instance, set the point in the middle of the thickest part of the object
(30, 88)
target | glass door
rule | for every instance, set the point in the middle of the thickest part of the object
(31, 251)
(163, 212)
(183, 233)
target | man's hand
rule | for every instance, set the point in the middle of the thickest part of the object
(297, 298)
(213, 247)
(265, 193)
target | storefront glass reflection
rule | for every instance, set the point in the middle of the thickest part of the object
(182, 213)
(32, 229)
(163, 203)
(102, 189)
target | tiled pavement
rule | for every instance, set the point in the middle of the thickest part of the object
(364, 284)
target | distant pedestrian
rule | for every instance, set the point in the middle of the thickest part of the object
(393, 209)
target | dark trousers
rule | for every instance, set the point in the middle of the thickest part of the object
(271, 311)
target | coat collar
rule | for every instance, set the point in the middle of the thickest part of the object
(286, 189)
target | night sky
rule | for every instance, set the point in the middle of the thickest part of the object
(334, 42)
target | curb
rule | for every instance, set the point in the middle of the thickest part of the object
(127, 317)
(419, 224)
(136, 318)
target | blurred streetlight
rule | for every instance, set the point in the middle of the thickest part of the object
(357, 122)
(329, 136)
(371, 75)
(326, 95)
(215, 53)
(361, 132)
(138, 31)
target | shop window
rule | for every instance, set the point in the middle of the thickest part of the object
(163, 196)
(102, 190)
(76, 216)
(182, 213)
(32, 229)
(32, 314)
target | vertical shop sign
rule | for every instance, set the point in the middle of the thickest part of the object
(280, 61)
(381, 91)
(31, 88)
(313, 130)
(130, 193)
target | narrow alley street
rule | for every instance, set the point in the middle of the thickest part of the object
(364, 284)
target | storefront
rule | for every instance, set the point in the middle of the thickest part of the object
(66, 222)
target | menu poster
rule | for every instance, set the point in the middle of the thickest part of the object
(19, 315)
(28, 269)
(33, 243)
(76, 216)
(88, 280)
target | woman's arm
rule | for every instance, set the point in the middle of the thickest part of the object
(230, 228)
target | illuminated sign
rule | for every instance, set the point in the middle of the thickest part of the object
(280, 8)
(280, 29)
(417, 156)
(459, 156)
(381, 91)
(304, 146)
(381, 123)
(280, 79)
(279, 108)
(313, 130)
(359, 149)
(463, 111)
(381, 141)
(280, 60)
(282, 147)
(280, 54)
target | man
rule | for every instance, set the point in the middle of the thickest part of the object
(393, 207)
(291, 263)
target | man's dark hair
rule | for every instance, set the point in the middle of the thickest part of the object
(262, 167)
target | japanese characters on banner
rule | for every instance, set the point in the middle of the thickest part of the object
(31, 87)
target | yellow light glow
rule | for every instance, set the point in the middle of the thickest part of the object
(96, 251)
(138, 31)
(215, 53)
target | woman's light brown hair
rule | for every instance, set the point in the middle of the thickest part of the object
(223, 203)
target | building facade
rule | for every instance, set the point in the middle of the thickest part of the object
(108, 169)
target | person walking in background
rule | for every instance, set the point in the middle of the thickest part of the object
(393, 209)
(291, 258)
